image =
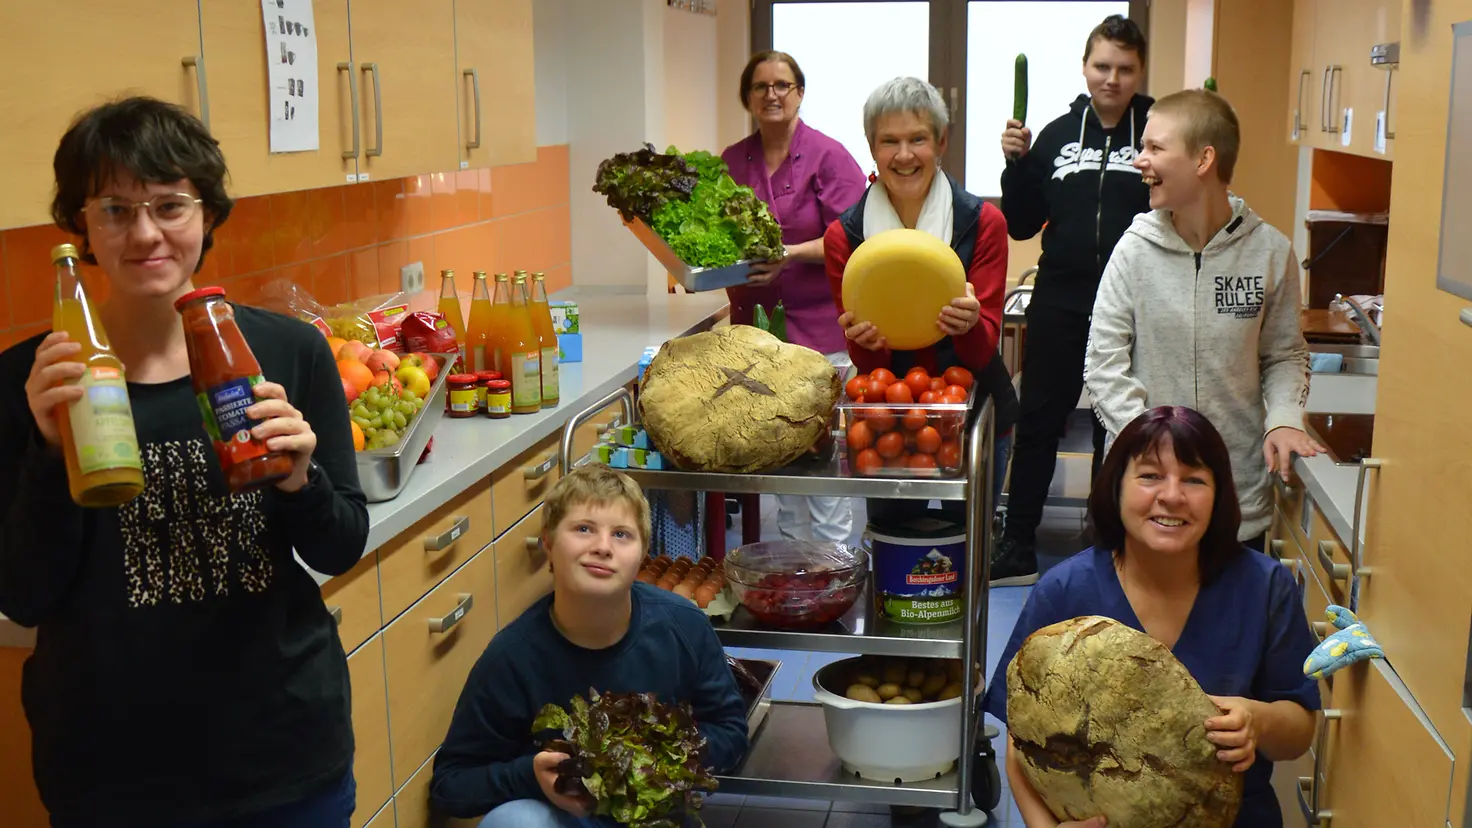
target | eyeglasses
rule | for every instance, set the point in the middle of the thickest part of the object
(782, 88)
(168, 211)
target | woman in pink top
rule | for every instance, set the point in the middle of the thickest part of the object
(807, 180)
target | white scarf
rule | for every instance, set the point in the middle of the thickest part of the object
(937, 214)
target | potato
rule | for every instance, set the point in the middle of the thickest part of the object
(954, 669)
(934, 683)
(894, 672)
(898, 700)
(950, 691)
(867, 680)
(863, 693)
(889, 690)
(916, 677)
(914, 694)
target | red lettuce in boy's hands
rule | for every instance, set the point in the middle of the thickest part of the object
(638, 758)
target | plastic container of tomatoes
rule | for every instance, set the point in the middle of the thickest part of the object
(910, 427)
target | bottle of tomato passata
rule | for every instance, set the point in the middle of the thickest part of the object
(225, 373)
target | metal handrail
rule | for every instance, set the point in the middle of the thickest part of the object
(980, 504)
(620, 394)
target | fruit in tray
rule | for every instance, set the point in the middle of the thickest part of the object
(384, 393)
(918, 441)
(898, 680)
(700, 581)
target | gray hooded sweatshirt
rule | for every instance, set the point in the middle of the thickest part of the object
(1217, 331)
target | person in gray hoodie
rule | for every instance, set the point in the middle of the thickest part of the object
(1199, 306)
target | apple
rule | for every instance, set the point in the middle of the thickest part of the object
(355, 350)
(349, 390)
(414, 378)
(424, 362)
(382, 360)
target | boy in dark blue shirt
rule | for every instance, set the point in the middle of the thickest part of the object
(598, 629)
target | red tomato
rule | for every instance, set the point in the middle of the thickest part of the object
(860, 436)
(915, 419)
(956, 375)
(868, 462)
(879, 419)
(951, 399)
(950, 425)
(920, 461)
(937, 384)
(927, 440)
(883, 375)
(899, 394)
(949, 456)
(956, 391)
(891, 445)
(875, 391)
(927, 398)
(856, 388)
(918, 380)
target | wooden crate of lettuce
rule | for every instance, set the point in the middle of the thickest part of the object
(705, 229)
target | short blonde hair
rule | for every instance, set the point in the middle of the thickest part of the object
(599, 485)
(1206, 120)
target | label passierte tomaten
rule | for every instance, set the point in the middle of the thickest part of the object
(223, 408)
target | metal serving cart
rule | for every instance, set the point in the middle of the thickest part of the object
(789, 754)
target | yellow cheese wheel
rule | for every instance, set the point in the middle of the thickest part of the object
(899, 280)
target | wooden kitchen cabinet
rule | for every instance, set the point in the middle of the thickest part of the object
(1303, 96)
(370, 730)
(61, 57)
(404, 54)
(235, 49)
(497, 99)
(1343, 82)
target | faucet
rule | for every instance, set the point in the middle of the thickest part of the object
(1362, 319)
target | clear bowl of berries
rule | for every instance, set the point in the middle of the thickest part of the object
(797, 584)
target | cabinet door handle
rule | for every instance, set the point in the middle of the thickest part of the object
(541, 469)
(197, 61)
(475, 93)
(1357, 552)
(1336, 115)
(353, 95)
(336, 613)
(1275, 548)
(1324, 101)
(1389, 133)
(445, 623)
(533, 546)
(1321, 629)
(1334, 569)
(1309, 786)
(443, 540)
(1298, 124)
(377, 148)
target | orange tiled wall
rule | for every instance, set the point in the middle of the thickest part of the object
(348, 242)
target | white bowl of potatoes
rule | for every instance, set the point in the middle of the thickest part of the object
(893, 719)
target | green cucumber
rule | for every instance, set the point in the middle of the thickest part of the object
(1210, 85)
(778, 322)
(1019, 90)
(759, 319)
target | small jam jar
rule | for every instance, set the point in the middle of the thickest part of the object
(460, 402)
(498, 398)
(481, 378)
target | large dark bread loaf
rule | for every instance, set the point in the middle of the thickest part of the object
(1105, 720)
(736, 399)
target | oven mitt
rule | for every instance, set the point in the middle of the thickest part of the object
(1350, 644)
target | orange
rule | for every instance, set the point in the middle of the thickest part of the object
(358, 439)
(334, 344)
(355, 372)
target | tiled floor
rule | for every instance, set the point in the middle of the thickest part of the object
(1060, 536)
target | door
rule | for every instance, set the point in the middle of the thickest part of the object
(234, 47)
(61, 57)
(1374, 86)
(1302, 94)
(493, 53)
(404, 54)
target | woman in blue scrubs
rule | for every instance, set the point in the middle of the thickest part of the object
(1168, 563)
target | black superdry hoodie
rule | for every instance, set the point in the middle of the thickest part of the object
(1080, 181)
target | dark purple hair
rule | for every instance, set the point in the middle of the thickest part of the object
(1196, 443)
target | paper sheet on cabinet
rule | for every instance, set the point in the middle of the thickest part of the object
(291, 74)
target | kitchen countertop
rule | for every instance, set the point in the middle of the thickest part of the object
(1332, 486)
(616, 328)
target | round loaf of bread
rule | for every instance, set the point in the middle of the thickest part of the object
(1105, 720)
(736, 400)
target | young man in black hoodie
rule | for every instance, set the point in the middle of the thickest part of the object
(1079, 186)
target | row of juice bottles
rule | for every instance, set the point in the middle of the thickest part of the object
(509, 331)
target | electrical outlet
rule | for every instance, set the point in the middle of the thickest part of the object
(411, 277)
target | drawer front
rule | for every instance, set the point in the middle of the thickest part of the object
(412, 803)
(384, 818)
(427, 668)
(1330, 560)
(370, 732)
(417, 560)
(522, 574)
(1315, 601)
(352, 598)
(589, 433)
(518, 486)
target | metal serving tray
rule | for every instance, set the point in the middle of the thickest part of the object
(694, 279)
(765, 671)
(383, 473)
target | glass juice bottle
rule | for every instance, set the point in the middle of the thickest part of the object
(480, 346)
(525, 351)
(450, 309)
(98, 440)
(500, 321)
(547, 338)
(225, 373)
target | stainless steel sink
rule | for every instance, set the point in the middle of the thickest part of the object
(1348, 351)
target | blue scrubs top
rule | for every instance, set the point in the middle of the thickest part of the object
(1246, 636)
